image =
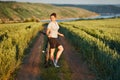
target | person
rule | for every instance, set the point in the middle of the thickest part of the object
(52, 33)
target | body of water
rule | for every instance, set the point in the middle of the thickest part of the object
(102, 16)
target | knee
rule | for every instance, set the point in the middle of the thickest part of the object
(61, 48)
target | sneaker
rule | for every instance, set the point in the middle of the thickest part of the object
(55, 64)
(46, 65)
(49, 62)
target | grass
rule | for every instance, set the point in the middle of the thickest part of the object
(17, 10)
(14, 41)
(92, 38)
(62, 73)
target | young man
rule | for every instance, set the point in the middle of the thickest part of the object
(52, 33)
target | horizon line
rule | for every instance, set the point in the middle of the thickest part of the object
(62, 3)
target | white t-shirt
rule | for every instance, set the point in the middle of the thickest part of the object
(54, 27)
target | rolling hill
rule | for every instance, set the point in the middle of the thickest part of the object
(21, 11)
(100, 9)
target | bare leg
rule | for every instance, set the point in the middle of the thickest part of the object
(60, 50)
(48, 52)
(52, 54)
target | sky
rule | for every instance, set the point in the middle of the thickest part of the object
(70, 1)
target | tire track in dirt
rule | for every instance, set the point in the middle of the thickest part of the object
(30, 69)
(79, 69)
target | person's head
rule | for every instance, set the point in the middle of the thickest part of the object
(53, 16)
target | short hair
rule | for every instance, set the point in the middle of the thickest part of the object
(53, 14)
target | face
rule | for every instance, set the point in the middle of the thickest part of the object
(53, 18)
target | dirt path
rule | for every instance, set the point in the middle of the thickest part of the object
(30, 67)
(79, 68)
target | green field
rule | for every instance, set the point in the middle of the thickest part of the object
(99, 43)
(14, 40)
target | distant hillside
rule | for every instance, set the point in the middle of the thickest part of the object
(20, 11)
(101, 9)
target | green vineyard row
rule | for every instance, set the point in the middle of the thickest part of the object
(14, 39)
(99, 42)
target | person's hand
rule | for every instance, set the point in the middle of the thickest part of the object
(62, 35)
